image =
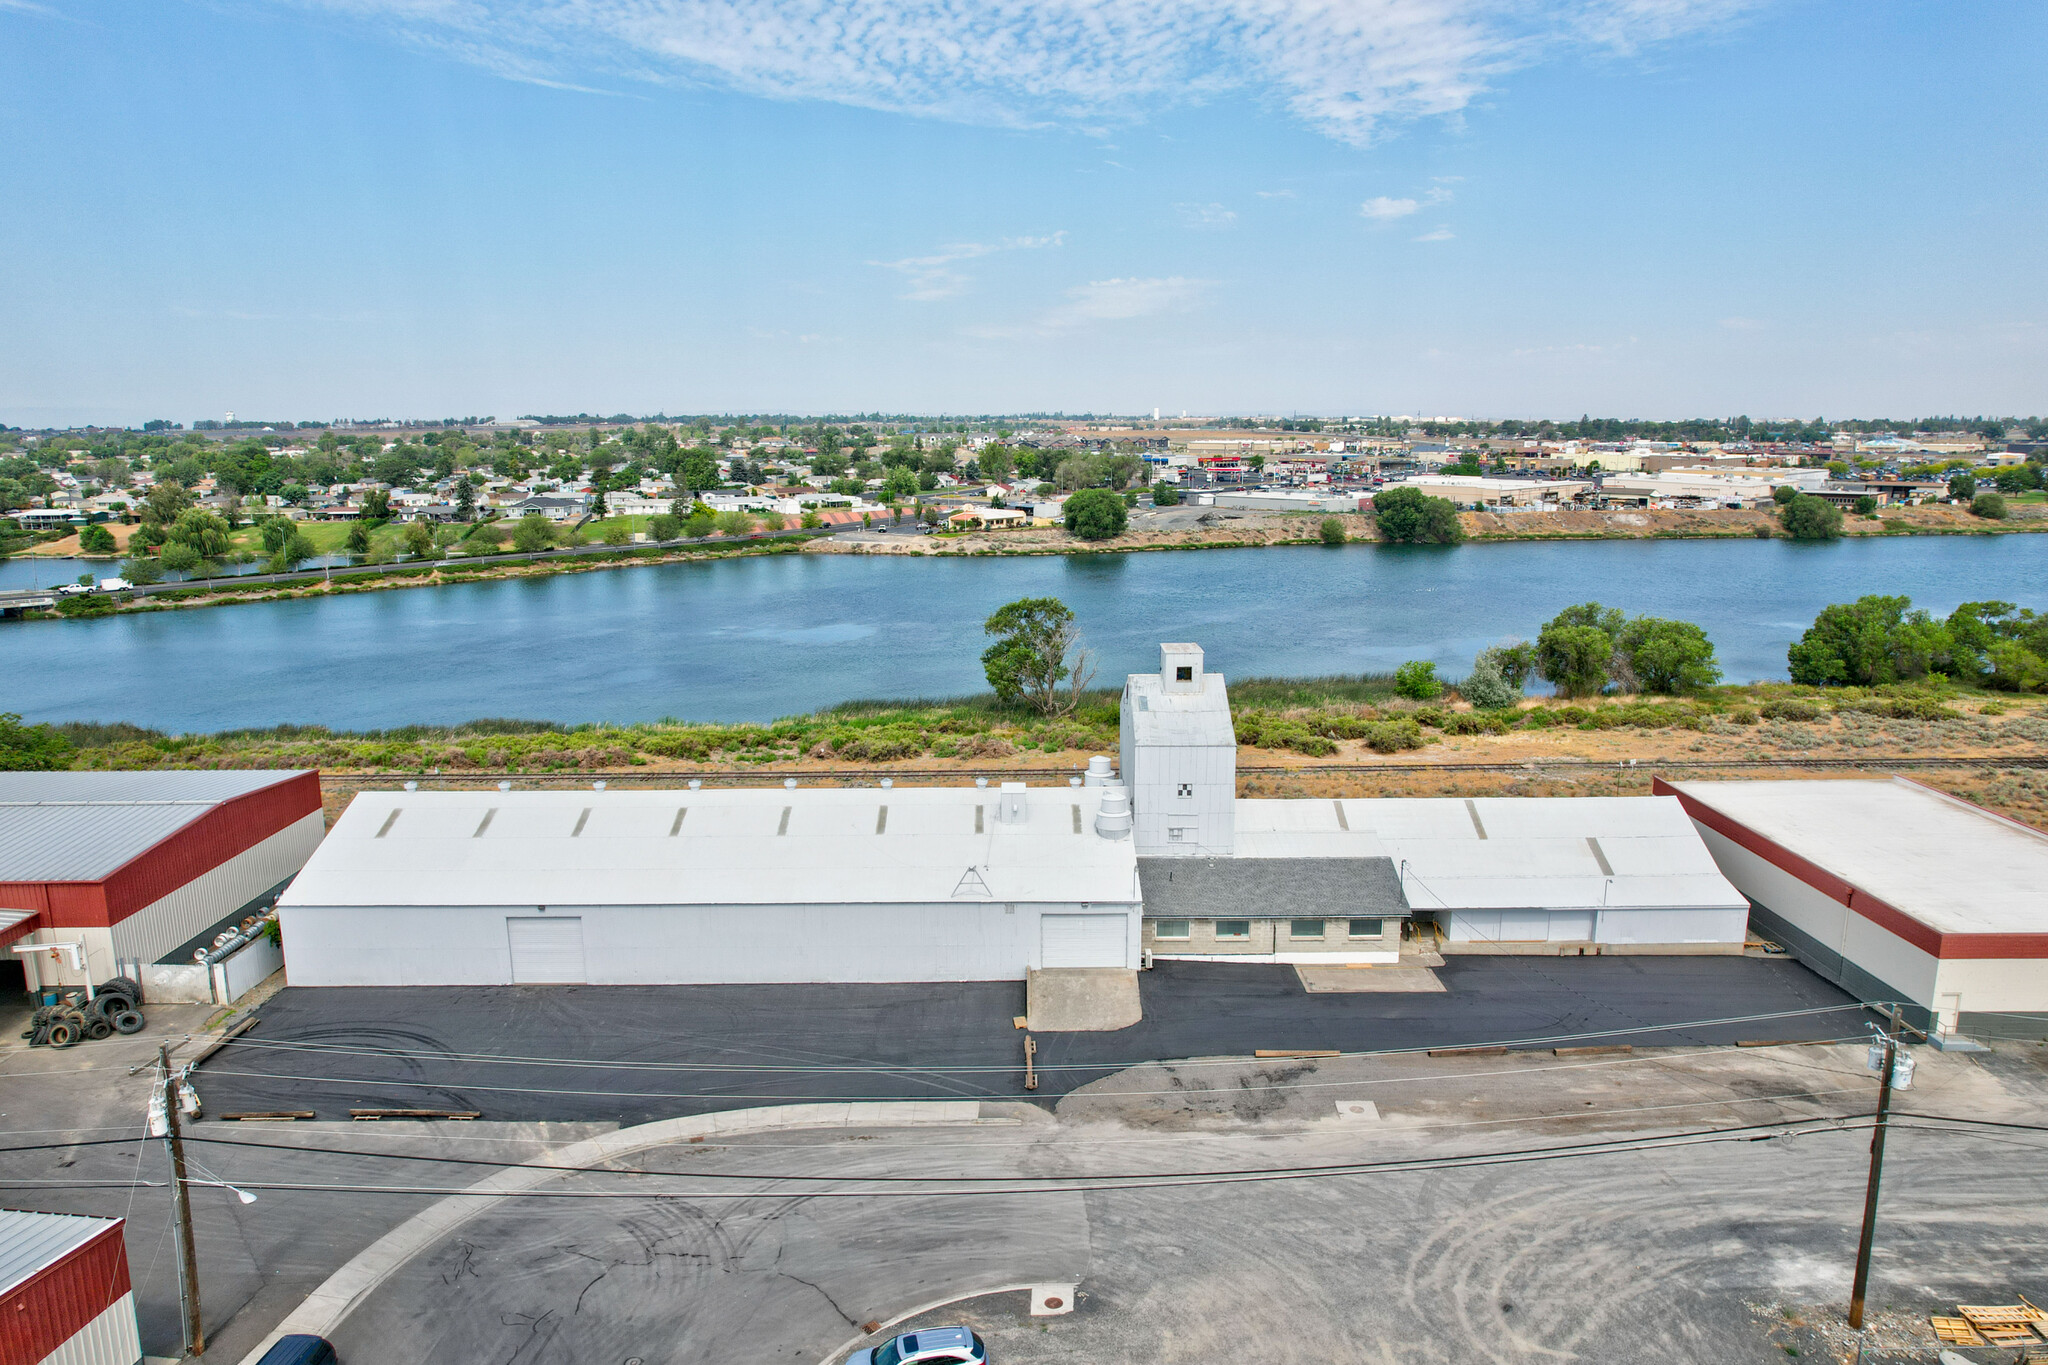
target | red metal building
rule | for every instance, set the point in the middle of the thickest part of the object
(101, 873)
(64, 1293)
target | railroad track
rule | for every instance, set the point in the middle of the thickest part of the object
(868, 777)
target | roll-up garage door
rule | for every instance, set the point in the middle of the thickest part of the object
(546, 949)
(1082, 940)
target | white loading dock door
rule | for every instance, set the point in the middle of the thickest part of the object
(546, 949)
(1522, 926)
(1082, 940)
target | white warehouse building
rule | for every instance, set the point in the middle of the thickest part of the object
(982, 884)
(619, 887)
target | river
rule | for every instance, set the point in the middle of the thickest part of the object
(756, 638)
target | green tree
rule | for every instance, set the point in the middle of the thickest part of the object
(1165, 495)
(419, 540)
(1990, 506)
(465, 501)
(377, 505)
(734, 522)
(96, 540)
(359, 539)
(1784, 493)
(1096, 514)
(1410, 516)
(1574, 659)
(1962, 485)
(1038, 646)
(1806, 517)
(996, 463)
(901, 483)
(1417, 678)
(31, 748)
(1869, 642)
(140, 570)
(699, 523)
(293, 551)
(204, 533)
(1332, 531)
(1670, 657)
(664, 526)
(1866, 506)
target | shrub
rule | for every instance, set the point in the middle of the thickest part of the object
(1332, 531)
(879, 744)
(1165, 495)
(1410, 516)
(618, 533)
(534, 532)
(1096, 514)
(664, 527)
(1474, 723)
(1485, 688)
(733, 522)
(1990, 506)
(1866, 506)
(96, 540)
(1962, 486)
(1417, 678)
(1792, 708)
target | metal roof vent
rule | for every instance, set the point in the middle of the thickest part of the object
(1100, 771)
(1113, 819)
(1010, 806)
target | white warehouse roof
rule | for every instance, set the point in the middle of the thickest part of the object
(715, 847)
(1507, 853)
(1954, 867)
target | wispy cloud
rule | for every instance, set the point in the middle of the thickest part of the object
(933, 277)
(1205, 215)
(1107, 301)
(1276, 194)
(1438, 234)
(1385, 210)
(1346, 68)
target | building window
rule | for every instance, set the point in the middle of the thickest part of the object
(1304, 928)
(1176, 834)
(1184, 673)
(1367, 928)
(1233, 928)
(1185, 790)
(1169, 928)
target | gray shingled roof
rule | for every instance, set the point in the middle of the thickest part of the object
(1271, 888)
(79, 827)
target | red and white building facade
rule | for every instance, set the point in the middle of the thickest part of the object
(101, 871)
(1893, 890)
(64, 1292)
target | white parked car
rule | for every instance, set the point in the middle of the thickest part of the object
(926, 1346)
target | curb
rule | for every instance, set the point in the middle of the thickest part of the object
(326, 1307)
(852, 1344)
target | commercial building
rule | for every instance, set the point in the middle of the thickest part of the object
(977, 883)
(103, 873)
(1892, 890)
(812, 884)
(65, 1297)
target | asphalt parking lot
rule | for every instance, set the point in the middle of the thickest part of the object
(631, 1054)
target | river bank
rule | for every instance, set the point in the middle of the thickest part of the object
(1297, 737)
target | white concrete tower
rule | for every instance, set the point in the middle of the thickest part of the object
(1179, 752)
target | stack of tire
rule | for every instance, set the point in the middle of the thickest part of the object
(115, 1007)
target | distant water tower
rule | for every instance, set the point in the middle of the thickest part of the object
(1155, 414)
(231, 417)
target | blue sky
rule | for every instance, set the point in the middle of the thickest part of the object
(312, 208)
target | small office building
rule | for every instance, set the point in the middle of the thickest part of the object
(102, 872)
(1892, 890)
(616, 887)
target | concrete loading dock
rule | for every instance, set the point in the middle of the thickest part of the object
(1894, 891)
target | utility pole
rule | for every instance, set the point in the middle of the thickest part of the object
(181, 1209)
(1884, 1109)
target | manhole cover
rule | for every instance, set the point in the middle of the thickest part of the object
(1055, 1302)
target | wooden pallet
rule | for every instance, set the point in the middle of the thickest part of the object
(2005, 1324)
(1955, 1331)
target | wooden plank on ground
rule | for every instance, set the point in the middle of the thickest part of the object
(268, 1116)
(1598, 1050)
(222, 1041)
(1955, 1331)
(1468, 1052)
(1295, 1052)
(370, 1115)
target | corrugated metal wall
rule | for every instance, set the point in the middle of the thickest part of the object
(63, 1300)
(112, 1338)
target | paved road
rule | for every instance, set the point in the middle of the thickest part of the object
(648, 1052)
(1678, 1255)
